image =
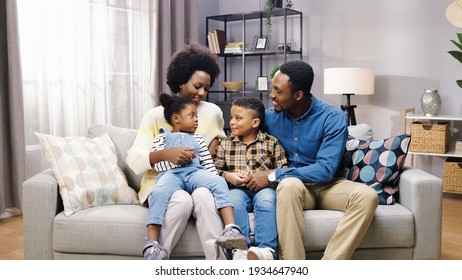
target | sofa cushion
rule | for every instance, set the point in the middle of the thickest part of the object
(123, 140)
(360, 131)
(86, 171)
(111, 230)
(377, 163)
(391, 227)
(115, 230)
(120, 230)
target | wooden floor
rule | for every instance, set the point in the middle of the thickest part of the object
(11, 232)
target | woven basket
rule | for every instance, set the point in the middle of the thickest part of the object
(429, 138)
(452, 178)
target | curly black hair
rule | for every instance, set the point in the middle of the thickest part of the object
(300, 75)
(253, 104)
(185, 62)
(173, 105)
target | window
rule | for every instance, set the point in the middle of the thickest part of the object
(85, 62)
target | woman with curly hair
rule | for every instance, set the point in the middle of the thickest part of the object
(191, 73)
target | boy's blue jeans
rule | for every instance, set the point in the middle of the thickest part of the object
(263, 205)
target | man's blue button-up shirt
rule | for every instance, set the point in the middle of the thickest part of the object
(314, 142)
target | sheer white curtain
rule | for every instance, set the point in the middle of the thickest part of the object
(85, 62)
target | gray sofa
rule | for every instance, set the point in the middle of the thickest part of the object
(410, 229)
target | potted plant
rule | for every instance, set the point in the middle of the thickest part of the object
(273, 71)
(269, 7)
(457, 54)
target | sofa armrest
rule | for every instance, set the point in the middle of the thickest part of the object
(40, 202)
(422, 193)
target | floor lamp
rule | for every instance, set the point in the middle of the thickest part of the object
(349, 81)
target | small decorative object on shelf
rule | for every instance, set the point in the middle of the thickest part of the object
(431, 102)
(289, 3)
(458, 147)
(261, 43)
(233, 86)
(262, 83)
(281, 47)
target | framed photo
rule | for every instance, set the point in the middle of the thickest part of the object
(262, 83)
(261, 43)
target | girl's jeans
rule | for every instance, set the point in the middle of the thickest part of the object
(188, 178)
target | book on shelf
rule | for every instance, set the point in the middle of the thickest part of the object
(211, 42)
(235, 47)
(217, 41)
(233, 50)
(220, 40)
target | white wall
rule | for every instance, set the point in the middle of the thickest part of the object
(405, 42)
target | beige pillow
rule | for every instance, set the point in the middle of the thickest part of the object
(87, 172)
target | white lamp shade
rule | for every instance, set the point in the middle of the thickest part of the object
(349, 80)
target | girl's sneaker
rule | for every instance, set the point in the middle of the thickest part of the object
(153, 250)
(256, 253)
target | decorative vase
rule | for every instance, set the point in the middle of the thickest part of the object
(431, 102)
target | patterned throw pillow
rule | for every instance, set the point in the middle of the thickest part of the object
(87, 172)
(377, 163)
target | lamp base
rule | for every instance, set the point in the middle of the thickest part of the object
(349, 110)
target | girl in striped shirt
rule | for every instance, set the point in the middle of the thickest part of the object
(200, 171)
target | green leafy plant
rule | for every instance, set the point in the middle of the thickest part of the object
(275, 69)
(457, 54)
(269, 13)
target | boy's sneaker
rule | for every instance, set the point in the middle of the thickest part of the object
(232, 238)
(153, 250)
(239, 255)
(256, 253)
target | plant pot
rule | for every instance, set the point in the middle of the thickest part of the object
(277, 3)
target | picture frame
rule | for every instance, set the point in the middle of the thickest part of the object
(261, 83)
(261, 43)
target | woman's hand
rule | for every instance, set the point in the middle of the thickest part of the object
(179, 156)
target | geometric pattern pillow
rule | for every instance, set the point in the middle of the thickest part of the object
(377, 163)
(86, 171)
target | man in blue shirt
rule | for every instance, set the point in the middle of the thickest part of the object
(314, 135)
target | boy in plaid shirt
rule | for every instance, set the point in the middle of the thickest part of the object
(247, 150)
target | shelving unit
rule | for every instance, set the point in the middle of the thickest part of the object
(254, 17)
(410, 115)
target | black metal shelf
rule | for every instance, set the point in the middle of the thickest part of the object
(257, 17)
(257, 53)
(278, 12)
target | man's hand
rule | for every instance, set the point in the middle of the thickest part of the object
(235, 178)
(258, 180)
(180, 155)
